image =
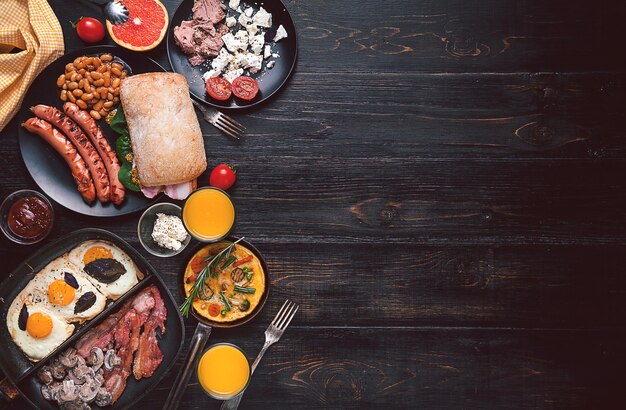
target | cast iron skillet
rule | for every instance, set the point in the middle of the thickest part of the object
(22, 372)
(45, 165)
(203, 330)
(270, 81)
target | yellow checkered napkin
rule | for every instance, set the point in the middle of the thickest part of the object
(30, 39)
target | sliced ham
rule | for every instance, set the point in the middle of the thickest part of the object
(180, 191)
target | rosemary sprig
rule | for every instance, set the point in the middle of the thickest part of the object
(209, 269)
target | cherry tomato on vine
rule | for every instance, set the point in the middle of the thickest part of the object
(89, 29)
(223, 176)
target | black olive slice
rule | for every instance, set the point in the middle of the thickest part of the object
(23, 318)
(85, 302)
(71, 280)
(105, 270)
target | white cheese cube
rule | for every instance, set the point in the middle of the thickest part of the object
(255, 62)
(280, 33)
(211, 74)
(222, 60)
(263, 18)
(244, 20)
(231, 75)
(252, 29)
(248, 12)
(270, 64)
(231, 21)
(233, 4)
(267, 52)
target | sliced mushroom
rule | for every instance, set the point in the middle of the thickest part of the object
(75, 405)
(96, 358)
(68, 392)
(51, 391)
(111, 360)
(58, 370)
(81, 374)
(88, 391)
(45, 375)
(69, 358)
(99, 378)
(103, 398)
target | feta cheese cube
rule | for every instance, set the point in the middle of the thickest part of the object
(252, 29)
(244, 20)
(248, 12)
(233, 4)
(231, 75)
(255, 62)
(280, 33)
(263, 18)
(237, 42)
(231, 21)
(267, 52)
(211, 74)
(270, 64)
(222, 60)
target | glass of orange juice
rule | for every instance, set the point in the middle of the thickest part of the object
(223, 371)
(208, 214)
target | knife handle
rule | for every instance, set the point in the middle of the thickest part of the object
(198, 341)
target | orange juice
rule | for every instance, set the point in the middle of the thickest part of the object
(223, 371)
(208, 214)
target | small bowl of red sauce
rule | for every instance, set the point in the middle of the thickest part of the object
(27, 217)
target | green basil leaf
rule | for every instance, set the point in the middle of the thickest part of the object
(125, 177)
(118, 122)
(123, 147)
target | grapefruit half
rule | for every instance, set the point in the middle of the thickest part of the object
(145, 28)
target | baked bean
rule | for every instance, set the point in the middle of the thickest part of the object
(118, 66)
(72, 85)
(106, 57)
(109, 96)
(64, 95)
(102, 112)
(108, 104)
(96, 62)
(61, 80)
(116, 71)
(82, 72)
(95, 114)
(70, 67)
(99, 82)
(103, 68)
(73, 76)
(87, 87)
(96, 75)
(64, 87)
(98, 106)
(86, 96)
(77, 92)
(81, 104)
(115, 82)
(71, 97)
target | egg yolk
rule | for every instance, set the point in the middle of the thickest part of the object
(96, 252)
(39, 325)
(60, 293)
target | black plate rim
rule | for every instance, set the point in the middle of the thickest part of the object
(84, 50)
(170, 31)
(149, 278)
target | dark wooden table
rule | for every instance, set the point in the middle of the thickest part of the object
(442, 187)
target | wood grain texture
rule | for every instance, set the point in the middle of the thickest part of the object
(440, 185)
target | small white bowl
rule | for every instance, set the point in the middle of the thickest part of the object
(146, 225)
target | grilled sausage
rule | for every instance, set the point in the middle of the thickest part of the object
(88, 124)
(63, 146)
(86, 150)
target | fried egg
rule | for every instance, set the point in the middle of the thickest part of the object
(102, 262)
(61, 288)
(42, 332)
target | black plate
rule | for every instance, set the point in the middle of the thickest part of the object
(270, 81)
(45, 165)
(21, 371)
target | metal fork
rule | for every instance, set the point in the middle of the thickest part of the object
(221, 121)
(273, 333)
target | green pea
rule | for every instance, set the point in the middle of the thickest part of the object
(223, 312)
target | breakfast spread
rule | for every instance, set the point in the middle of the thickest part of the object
(72, 288)
(29, 217)
(97, 367)
(224, 282)
(169, 232)
(234, 39)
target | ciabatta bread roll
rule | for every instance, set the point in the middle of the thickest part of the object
(166, 139)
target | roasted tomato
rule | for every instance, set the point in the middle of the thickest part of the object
(197, 264)
(218, 88)
(245, 87)
(214, 309)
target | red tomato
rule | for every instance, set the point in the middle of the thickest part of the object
(89, 30)
(218, 88)
(197, 264)
(245, 87)
(223, 176)
(214, 309)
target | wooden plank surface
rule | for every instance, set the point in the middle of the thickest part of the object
(440, 186)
